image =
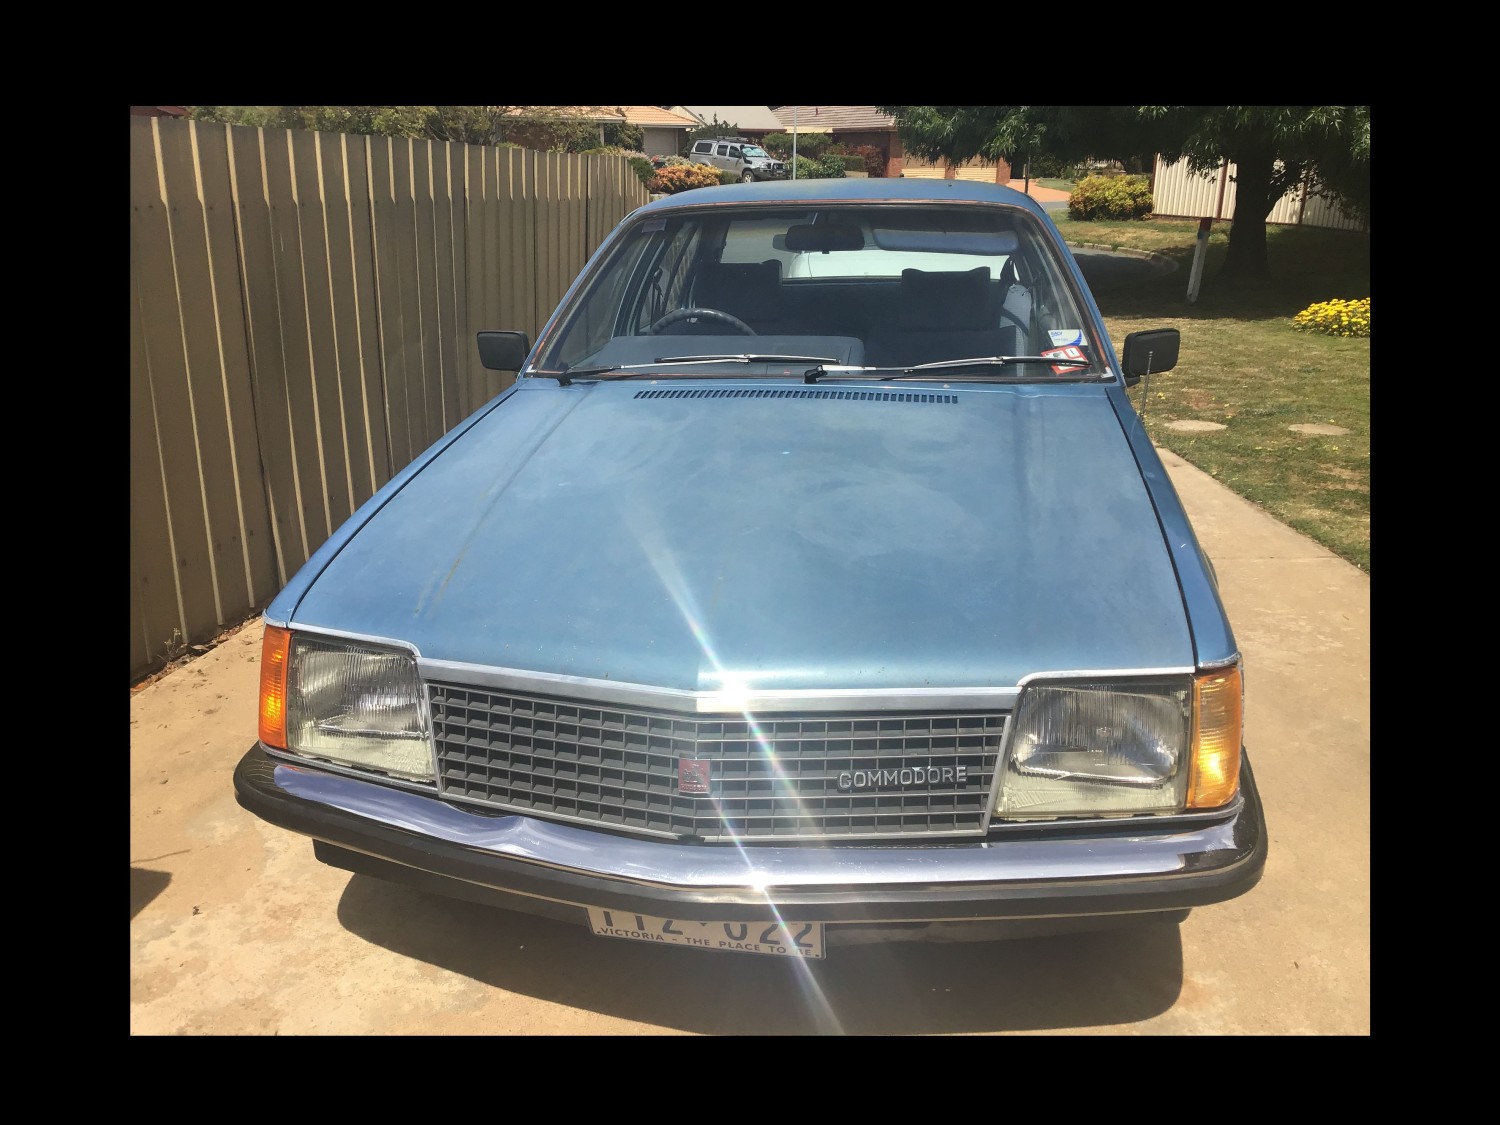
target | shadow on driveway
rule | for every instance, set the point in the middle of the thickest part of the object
(145, 885)
(1080, 980)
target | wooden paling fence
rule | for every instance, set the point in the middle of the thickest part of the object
(303, 309)
(1179, 193)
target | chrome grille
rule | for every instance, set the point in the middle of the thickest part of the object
(771, 778)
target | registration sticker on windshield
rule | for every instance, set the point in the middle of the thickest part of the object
(1065, 337)
(1069, 352)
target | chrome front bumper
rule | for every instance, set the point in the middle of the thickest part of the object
(1126, 868)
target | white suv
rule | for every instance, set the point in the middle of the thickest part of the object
(746, 159)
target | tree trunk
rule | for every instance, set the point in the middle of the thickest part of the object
(1246, 259)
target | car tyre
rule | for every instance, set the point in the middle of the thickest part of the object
(747, 177)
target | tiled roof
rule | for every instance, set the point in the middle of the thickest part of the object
(655, 115)
(838, 117)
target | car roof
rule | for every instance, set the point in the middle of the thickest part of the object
(886, 189)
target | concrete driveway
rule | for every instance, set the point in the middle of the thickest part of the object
(236, 930)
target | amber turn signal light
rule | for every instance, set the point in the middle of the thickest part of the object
(1218, 733)
(275, 650)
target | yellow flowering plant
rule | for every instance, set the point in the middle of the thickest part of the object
(1336, 318)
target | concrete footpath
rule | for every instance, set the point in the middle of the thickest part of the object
(236, 930)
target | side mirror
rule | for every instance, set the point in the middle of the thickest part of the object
(503, 351)
(1149, 352)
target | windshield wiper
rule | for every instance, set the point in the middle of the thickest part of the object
(748, 357)
(636, 370)
(929, 370)
(827, 366)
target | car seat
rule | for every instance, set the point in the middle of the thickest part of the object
(943, 315)
(748, 290)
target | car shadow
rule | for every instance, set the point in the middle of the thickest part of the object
(1079, 980)
(145, 885)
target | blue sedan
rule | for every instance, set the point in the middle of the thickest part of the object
(815, 582)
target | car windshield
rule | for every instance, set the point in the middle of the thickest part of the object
(879, 286)
(753, 150)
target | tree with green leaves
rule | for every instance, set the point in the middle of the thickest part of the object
(715, 128)
(1273, 149)
(622, 134)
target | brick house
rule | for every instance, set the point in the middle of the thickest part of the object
(856, 125)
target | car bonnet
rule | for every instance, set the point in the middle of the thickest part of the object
(678, 533)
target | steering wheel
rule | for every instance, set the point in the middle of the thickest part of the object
(677, 315)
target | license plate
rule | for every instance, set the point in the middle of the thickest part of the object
(777, 939)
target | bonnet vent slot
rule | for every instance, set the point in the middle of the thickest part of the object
(798, 392)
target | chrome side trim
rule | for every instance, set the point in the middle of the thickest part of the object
(803, 839)
(1211, 665)
(366, 638)
(997, 779)
(719, 701)
(1000, 698)
(1107, 674)
(308, 761)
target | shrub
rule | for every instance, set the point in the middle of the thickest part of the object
(683, 177)
(806, 168)
(812, 145)
(678, 162)
(1110, 197)
(624, 135)
(832, 167)
(874, 159)
(828, 168)
(1336, 318)
(613, 150)
(639, 162)
(644, 169)
(727, 177)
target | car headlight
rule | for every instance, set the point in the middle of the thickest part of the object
(1120, 748)
(345, 702)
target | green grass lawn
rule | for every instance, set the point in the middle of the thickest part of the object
(1245, 365)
